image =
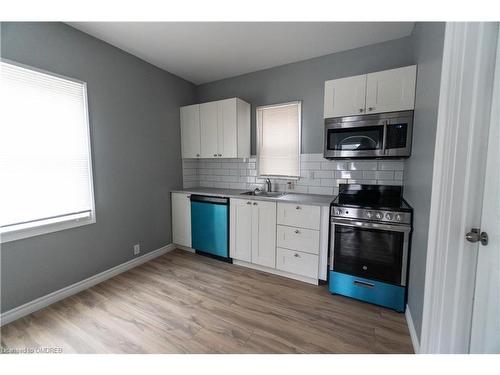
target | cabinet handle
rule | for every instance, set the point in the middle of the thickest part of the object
(220, 154)
(255, 203)
(249, 202)
(361, 110)
(215, 155)
(297, 231)
(197, 155)
(363, 284)
(371, 108)
(297, 208)
(296, 255)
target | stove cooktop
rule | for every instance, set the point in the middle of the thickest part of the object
(381, 203)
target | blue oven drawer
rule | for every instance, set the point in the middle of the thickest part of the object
(376, 292)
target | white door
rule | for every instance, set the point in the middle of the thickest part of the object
(264, 233)
(227, 128)
(208, 127)
(391, 90)
(485, 334)
(345, 96)
(190, 131)
(181, 219)
(240, 230)
(458, 187)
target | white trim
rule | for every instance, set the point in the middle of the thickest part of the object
(40, 303)
(413, 332)
(458, 177)
(185, 248)
(274, 271)
(64, 223)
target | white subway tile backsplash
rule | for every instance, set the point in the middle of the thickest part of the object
(323, 174)
(318, 175)
(385, 175)
(390, 165)
(334, 165)
(328, 182)
(349, 174)
(362, 166)
(320, 190)
(310, 165)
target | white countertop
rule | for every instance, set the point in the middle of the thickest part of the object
(310, 199)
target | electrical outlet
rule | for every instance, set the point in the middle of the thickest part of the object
(137, 249)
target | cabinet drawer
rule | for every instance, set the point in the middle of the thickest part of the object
(298, 215)
(306, 240)
(297, 262)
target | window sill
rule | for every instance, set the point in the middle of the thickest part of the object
(39, 229)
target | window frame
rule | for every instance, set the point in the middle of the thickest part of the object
(259, 139)
(71, 220)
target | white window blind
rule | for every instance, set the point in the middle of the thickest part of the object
(45, 166)
(278, 140)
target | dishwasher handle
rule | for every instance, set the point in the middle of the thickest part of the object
(209, 199)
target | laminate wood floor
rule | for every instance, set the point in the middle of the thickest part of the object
(186, 303)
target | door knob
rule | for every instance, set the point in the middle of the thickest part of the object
(475, 235)
(371, 108)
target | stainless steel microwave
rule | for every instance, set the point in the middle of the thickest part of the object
(383, 135)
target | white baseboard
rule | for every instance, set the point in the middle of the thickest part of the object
(40, 303)
(413, 332)
(185, 248)
(276, 272)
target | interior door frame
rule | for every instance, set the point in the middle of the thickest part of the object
(458, 183)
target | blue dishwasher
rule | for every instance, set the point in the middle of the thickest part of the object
(210, 225)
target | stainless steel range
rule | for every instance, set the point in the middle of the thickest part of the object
(370, 230)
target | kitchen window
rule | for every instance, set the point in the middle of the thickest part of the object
(278, 140)
(45, 158)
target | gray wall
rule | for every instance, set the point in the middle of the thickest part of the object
(305, 81)
(134, 118)
(429, 39)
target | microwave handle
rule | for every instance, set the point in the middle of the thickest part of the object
(384, 137)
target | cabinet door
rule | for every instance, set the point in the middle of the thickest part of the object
(227, 129)
(391, 90)
(208, 126)
(181, 219)
(345, 96)
(264, 233)
(190, 131)
(240, 230)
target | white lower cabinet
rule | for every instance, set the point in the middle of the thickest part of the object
(253, 232)
(181, 219)
(300, 239)
(297, 262)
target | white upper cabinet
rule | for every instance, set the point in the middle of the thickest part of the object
(190, 131)
(223, 130)
(209, 126)
(345, 96)
(391, 90)
(386, 91)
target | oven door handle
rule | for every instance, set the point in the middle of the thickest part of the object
(370, 225)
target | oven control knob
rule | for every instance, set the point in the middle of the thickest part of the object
(338, 211)
(388, 216)
(379, 215)
(369, 214)
(397, 217)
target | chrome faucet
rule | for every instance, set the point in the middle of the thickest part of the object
(268, 184)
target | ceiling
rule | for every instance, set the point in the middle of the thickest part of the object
(203, 52)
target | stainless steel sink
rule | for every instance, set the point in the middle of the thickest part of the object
(269, 194)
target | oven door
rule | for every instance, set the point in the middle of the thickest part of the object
(370, 250)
